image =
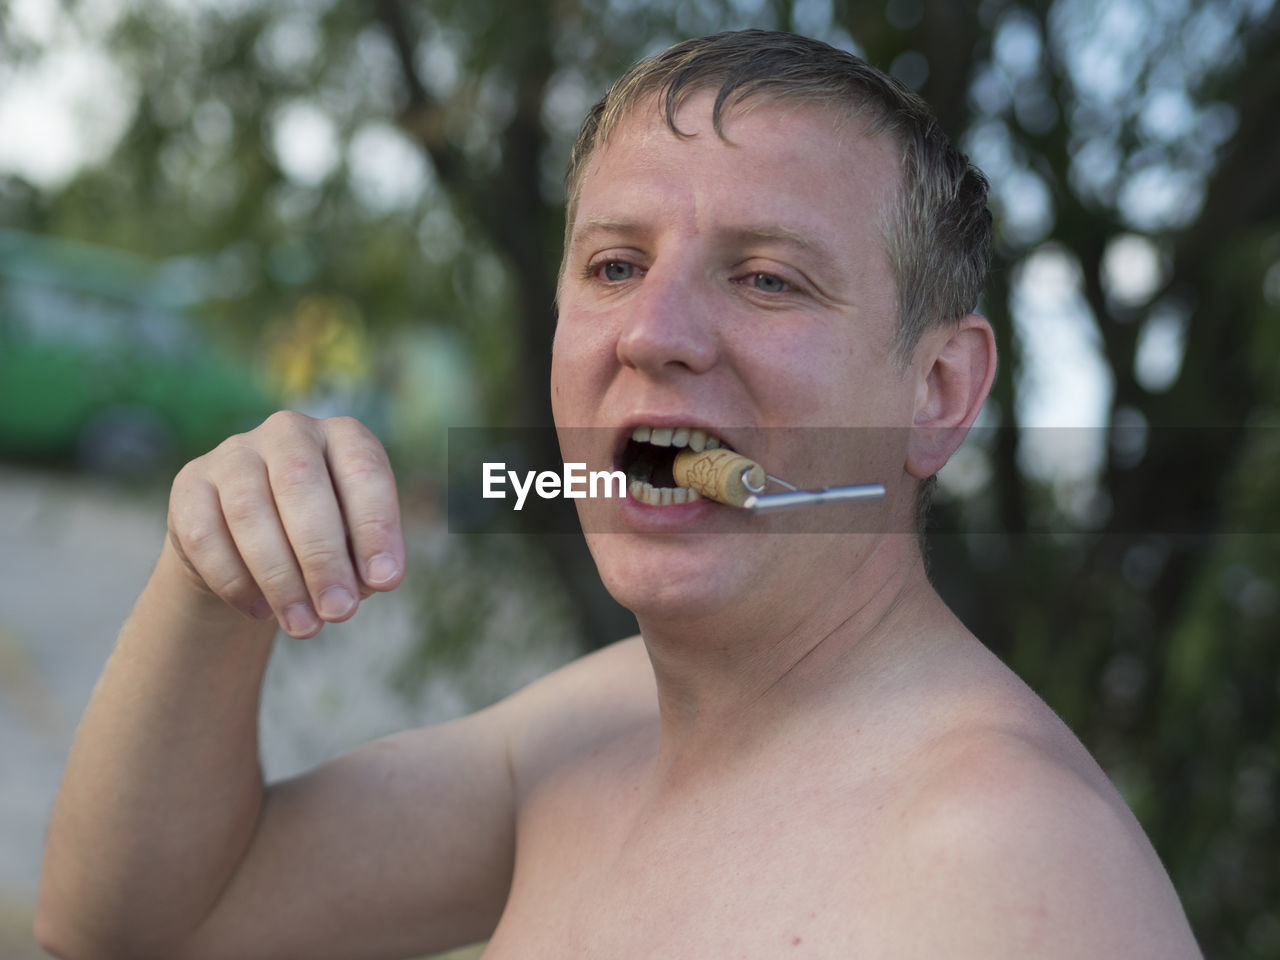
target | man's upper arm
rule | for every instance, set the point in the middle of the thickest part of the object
(1012, 854)
(401, 847)
(406, 846)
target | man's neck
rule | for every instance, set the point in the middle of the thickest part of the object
(737, 680)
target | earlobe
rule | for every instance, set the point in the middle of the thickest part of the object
(955, 366)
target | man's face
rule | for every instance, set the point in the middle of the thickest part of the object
(739, 287)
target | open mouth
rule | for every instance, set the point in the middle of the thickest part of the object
(648, 457)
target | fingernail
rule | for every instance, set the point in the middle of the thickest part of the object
(261, 610)
(382, 569)
(299, 618)
(335, 602)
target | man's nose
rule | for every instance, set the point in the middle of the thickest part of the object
(669, 324)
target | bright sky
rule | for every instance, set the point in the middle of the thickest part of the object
(66, 108)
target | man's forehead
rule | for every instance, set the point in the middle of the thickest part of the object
(787, 147)
(846, 148)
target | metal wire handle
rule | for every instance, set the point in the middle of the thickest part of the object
(803, 498)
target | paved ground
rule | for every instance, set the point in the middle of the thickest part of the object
(73, 555)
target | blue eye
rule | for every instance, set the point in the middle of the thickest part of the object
(768, 283)
(616, 271)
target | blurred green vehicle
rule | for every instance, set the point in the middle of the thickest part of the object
(102, 365)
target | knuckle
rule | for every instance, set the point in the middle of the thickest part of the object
(186, 482)
(374, 530)
(199, 536)
(234, 459)
(351, 434)
(279, 579)
(348, 427)
(287, 421)
(237, 589)
(241, 505)
(234, 445)
(362, 464)
(347, 423)
(295, 473)
(319, 557)
(189, 518)
(185, 476)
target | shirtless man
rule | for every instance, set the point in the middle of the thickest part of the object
(803, 754)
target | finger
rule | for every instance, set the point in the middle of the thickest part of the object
(200, 535)
(313, 523)
(249, 511)
(366, 490)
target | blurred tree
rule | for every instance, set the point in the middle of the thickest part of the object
(1132, 146)
(404, 160)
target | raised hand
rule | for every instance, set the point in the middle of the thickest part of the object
(297, 519)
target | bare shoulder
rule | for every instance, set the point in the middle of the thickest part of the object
(1017, 845)
(563, 717)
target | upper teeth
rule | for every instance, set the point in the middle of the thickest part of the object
(696, 440)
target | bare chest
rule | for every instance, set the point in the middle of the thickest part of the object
(775, 867)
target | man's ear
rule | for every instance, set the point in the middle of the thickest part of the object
(954, 366)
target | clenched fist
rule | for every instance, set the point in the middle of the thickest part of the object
(296, 519)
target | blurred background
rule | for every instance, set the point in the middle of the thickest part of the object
(210, 209)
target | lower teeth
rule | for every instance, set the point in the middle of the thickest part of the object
(660, 496)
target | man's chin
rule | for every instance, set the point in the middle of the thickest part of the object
(681, 578)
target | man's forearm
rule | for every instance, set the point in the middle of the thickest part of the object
(163, 785)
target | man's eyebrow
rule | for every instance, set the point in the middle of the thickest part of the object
(586, 229)
(740, 236)
(786, 236)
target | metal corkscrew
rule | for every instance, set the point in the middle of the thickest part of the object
(730, 478)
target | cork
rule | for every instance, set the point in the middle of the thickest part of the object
(718, 474)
